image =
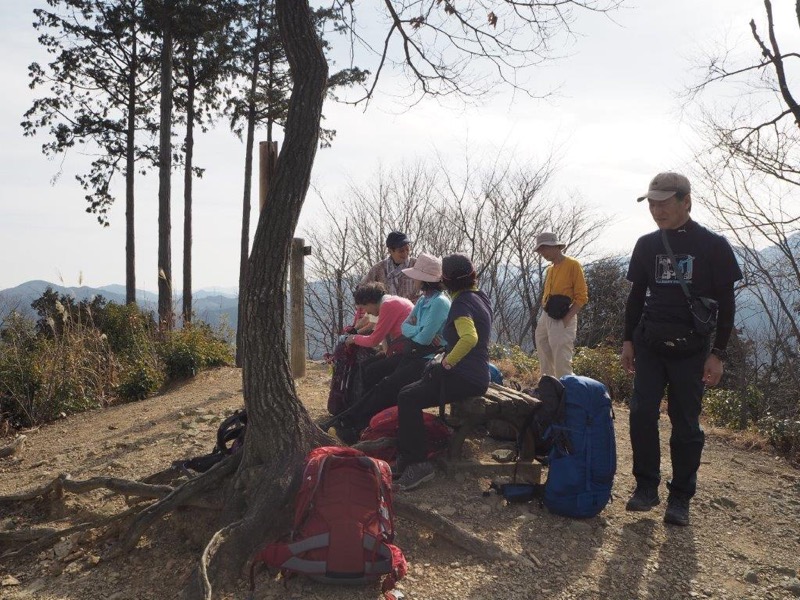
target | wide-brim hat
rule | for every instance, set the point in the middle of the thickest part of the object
(665, 185)
(548, 238)
(426, 268)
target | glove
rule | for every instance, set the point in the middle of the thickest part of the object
(434, 367)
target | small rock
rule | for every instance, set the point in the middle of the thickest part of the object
(9, 580)
(63, 548)
(36, 585)
(72, 568)
(503, 456)
(113, 427)
(724, 502)
(750, 576)
(447, 511)
(793, 587)
(788, 571)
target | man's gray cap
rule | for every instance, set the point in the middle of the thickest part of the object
(665, 185)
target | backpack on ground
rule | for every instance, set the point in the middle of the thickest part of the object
(346, 383)
(385, 425)
(230, 438)
(583, 459)
(343, 523)
(495, 375)
(550, 391)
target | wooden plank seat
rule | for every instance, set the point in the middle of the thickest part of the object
(466, 416)
(499, 402)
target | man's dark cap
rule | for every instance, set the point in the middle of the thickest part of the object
(397, 239)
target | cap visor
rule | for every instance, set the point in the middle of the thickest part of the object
(657, 195)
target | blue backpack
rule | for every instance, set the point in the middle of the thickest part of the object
(495, 376)
(583, 459)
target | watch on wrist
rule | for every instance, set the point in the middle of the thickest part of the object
(720, 354)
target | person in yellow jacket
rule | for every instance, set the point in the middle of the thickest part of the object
(565, 294)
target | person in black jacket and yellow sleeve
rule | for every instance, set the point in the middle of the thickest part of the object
(463, 372)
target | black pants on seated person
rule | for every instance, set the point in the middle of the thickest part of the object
(412, 444)
(376, 368)
(383, 381)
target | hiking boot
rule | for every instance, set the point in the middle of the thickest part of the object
(643, 499)
(398, 467)
(414, 475)
(677, 512)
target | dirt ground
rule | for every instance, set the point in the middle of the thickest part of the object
(744, 541)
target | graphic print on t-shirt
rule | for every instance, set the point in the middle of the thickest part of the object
(666, 274)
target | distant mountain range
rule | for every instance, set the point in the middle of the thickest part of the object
(214, 306)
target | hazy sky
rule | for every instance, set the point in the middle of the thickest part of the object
(616, 122)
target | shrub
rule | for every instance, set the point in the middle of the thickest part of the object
(603, 364)
(515, 363)
(195, 347)
(783, 433)
(43, 377)
(731, 408)
(128, 328)
(140, 377)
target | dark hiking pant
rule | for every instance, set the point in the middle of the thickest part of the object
(383, 381)
(682, 378)
(429, 391)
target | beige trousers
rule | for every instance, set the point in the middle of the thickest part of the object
(555, 345)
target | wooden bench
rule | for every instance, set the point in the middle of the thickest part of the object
(499, 402)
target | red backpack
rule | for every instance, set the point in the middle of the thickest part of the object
(343, 523)
(385, 425)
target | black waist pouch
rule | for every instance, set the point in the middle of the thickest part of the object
(672, 340)
(557, 306)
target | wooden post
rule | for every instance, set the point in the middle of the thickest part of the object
(267, 159)
(297, 297)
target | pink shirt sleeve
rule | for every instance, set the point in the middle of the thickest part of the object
(391, 315)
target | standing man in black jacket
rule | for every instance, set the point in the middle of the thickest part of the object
(665, 344)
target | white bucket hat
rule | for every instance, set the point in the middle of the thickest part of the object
(547, 238)
(426, 268)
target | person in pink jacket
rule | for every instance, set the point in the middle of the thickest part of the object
(391, 311)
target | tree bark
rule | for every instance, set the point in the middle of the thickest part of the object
(244, 252)
(164, 173)
(187, 190)
(280, 431)
(130, 172)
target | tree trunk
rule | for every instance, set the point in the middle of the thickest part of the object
(164, 173)
(244, 252)
(130, 173)
(187, 190)
(280, 431)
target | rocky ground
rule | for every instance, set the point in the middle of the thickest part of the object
(744, 541)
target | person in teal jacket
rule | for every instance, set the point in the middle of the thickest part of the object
(423, 330)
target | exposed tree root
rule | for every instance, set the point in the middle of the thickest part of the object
(208, 553)
(49, 536)
(171, 497)
(64, 483)
(456, 534)
(14, 447)
(174, 499)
